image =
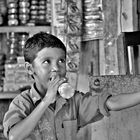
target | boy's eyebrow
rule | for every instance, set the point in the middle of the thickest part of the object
(50, 57)
(43, 58)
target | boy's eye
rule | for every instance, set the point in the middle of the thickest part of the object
(62, 60)
(47, 61)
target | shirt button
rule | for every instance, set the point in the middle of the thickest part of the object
(34, 99)
(57, 134)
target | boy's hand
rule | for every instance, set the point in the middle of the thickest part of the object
(53, 85)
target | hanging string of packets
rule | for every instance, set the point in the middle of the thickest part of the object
(92, 20)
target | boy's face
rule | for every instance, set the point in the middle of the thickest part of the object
(48, 62)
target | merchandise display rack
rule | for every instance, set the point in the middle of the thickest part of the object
(28, 29)
(17, 29)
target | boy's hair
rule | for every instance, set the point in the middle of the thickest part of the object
(39, 41)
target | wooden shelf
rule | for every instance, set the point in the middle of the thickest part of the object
(13, 94)
(28, 29)
(8, 95)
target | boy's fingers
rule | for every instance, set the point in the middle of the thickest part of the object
(63, 80)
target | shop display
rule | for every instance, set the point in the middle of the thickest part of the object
(73, 60)
(33, 12)
(49, 11)
(15, 74)
(9, 79)
(21, 43)
(12, 48)
(92, 20)
(74, 18)
(71, 21)
(27, 13)
(12, 13)
(20, 14)
(42, 11)
(24, 11)
(74, 34)
(67, 25)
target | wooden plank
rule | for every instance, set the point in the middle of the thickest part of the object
(89, 59)
(83, 83)
(92, 61)
(102, 57)
(89, 64)
(135, 14)
(121, 53)
(110, 36)
(129, 15)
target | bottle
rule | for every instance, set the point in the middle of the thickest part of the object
(66, 90)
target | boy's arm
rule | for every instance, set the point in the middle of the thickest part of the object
(122, 101)
(22, 129)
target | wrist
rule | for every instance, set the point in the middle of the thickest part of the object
(48, 100)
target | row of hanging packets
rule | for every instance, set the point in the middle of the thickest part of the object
(92, 20)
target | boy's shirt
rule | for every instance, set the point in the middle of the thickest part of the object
(61, 123)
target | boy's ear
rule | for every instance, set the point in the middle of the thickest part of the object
(29, 68)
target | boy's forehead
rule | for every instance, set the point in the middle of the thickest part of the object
(51, 52)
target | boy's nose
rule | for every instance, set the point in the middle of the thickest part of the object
(55, 67)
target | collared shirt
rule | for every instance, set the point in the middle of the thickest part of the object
(61, 123)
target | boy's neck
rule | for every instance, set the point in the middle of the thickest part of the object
(40, 93)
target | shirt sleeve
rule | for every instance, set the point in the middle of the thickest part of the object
(91, 108)
(102, 103)
(18, 110)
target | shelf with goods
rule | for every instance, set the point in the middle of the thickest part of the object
(25, 16)
(27, 29)
(15, 33)
(19, 20)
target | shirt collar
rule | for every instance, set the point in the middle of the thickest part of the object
(59, 103)
(34, 94)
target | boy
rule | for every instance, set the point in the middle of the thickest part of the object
(40, 113)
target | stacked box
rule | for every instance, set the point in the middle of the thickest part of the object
(21, 76)
(9, 80)
(33, 12)
(16, 76)
(24, 11)
(48, 11)
(12, 6)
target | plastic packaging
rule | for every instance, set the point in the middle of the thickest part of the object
(66, 90)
